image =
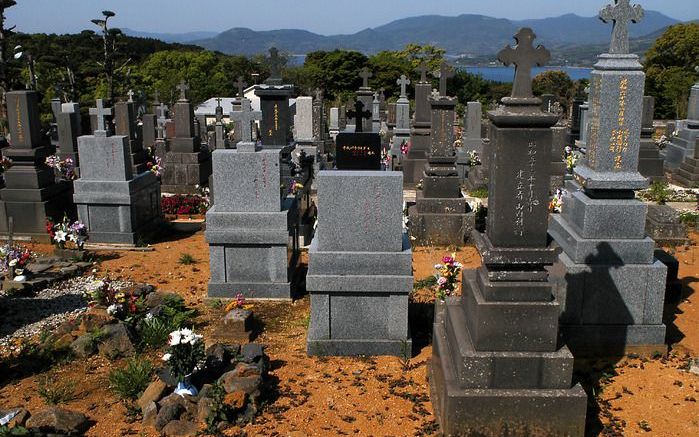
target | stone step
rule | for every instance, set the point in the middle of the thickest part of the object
(507, 370)
(509, 326)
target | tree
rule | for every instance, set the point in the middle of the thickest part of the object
(417, 54)
(669, 67)
(336, 72)
(109, 39)
(555, 82)
(386, 68)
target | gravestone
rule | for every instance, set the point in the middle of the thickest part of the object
(650, 164)
(688, 173)
(682, 145)
(117, 205)
(574, 134)
(376, 113)
(399, 120)
(220, 134)
(125, 124)
(253, 242)
(31, 194)
(150, 130)
(416, 159)
(237, 107)
(274, 101)
(68, 125)
(664, 226)
(366, 96)
(360, 267)
(53, 126)
(441, 215)
(187, 166)
(305, 132)
(497, 368)
(472, 141)
(334, 122)
(547, 102)
(558, 165)
(611, 286)
(358, 151)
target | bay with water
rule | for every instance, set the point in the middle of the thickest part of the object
(506, 74)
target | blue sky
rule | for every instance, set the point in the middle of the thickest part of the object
(320, 16)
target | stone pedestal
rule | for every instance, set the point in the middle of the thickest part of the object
(663, 225)
(497, 366)
(441, 216)
(360, 266)
(650, 164)
(611, 287)
(187, 166)
(251, 231)
(31, 194)
(117, 206)
(682, 145)
(275, 126)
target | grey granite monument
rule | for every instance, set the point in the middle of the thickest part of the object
(611, 286)
(116, 205)
(366, 96)
(471, 141)
(187, 165)
(31, 194)
(497, 366)
(69, 129)
(253, 244)
(416, 159)
(401, 127)
(125, 124)
(682, 145)
(360, 266)
(441, 214)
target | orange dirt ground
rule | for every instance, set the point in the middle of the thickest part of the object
(382, 396)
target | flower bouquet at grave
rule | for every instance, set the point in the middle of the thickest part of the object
(238, 304)
(187, 205)
(447, 276)
(570, 158)
(67, 235)
(405, 147)
(473, 158)
(155, 163)
(664, 141)
(118, 303)
(184, 356)
(294, 187)
(14, 260)
(64, 168)
(385, 158)
(5, 164)
(556, 204)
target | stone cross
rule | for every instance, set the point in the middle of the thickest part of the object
(319, 94)
(445, 72)
(240, 85)
(403, 82)
(359, 114)
(130, 94)
(365, 75)
(183, 87)
(101, 112)
(524, 56)
(219, 110)
(274, 64)
(621, 13)
(422, 69)
(245, 117)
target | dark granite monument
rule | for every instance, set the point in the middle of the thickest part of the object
(69, 129)
(31, 194)
(650, 164)
(497, 366)
(441, 215)
(358, 151)
(187, 165)
(125, 124)
(275, 126)
(611, 287)
(414, 162)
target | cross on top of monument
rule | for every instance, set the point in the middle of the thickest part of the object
(275, 66)
(621, 13)
(445, 72)
(359, 114)
(422, 69)
(319, 94)
(130, 94)
(183, 87)
(240, 84)
(403, 82)
(365, 74)
(245, 117)
(524, 56)
(101, 112)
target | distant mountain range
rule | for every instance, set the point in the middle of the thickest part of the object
(466, 35)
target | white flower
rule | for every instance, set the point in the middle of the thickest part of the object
(167, 357)
(187, 336)
(149, 316)
(73, 238)
(175, 338)
(438, 266)
(13, 263)
(60, 237)
(112, 309)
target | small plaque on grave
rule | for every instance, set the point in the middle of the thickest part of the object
(358, 151)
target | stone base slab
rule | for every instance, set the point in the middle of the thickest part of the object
(428, 229)
(252, 291)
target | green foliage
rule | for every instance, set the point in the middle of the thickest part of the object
(480, 193)
(689, 218)
(55, 392)
(186, 259)
(176, 311)
(15, 431)
(416, 54)
(386, 68)
(154, 332)
(557, 83)
(659, 192)
(669, 66)
(428, 282)
(336, 72)
(129, 382)
(219, 410)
